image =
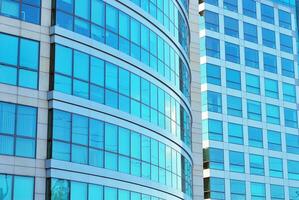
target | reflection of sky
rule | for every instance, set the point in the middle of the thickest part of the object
(288, 2)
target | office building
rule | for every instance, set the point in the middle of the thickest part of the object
(249, 84)
(95, 100)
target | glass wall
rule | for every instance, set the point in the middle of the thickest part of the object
(91, 78)
(26, 10)
(93, 142)
(169, 15)
(72, 190)
(19, 61)
(18, 126)
(105, 23)
(16, 187)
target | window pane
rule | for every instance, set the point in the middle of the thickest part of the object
(9, 46)
(28, 79)
(96, 131)
(61, 125)
(7, 118)
(78, 191)
(79, 129)
(29, 58)
(95, 192)
(26, 121)
(6, 186)
(23, 188)
(63, 60)
(25, 147)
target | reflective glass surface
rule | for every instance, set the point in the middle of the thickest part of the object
(17, 130)
(93, 142)
(142, 43)
(28, 11)
(118, 88)
(19, 61)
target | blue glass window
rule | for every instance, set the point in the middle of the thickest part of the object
(28, 11)
(234, 106)
(254, 111)
(20, 122)
(269, 38)
(232, 52)
(255, 137)
(236, 162)
(289, 92)
(212, 101)
(271, 88)
(285, 19)
(81, 65)
(252, 83)
(212, 130)
(250, 32)
(211, 21)
(78, 191)
(17, 63)
(231, 26)
(273, 114)
(211, 74)
(251, 58)
(237, 189)
(267, 13)
(286, 43)
(23, 187)
(235, 133)
(293, 170)
(274, 140)
(212, 2)
(275, 167)
(287, 68)
(290, 118)
(292, 143)
(249, 8)
(212, 47)
(270, 63)
(233, 79)
(214, 188)
(277, 192)
(213, 159)
(293, 193)
(231, 5)
(258, 191)
(256, 164)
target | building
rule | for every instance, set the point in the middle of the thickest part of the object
(249, 85)
(95, 99)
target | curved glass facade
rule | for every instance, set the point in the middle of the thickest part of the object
(66, 190)
(84, 140)
(171, 17)
(89, 77)
(109, 25)
(95, 100)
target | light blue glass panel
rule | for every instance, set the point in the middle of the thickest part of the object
(29, 54)
(82, 8)
(78, 191)
(124, 195)
(63, 84)
(60, 189)
(26, 121)
(81, 65)
(61, 151)
(6, 145)
(23, 188)
(98, 12)
(25, 147)
(28, 79)
(79, 154)
(8, 75)
(8, 47)
(7, 118)
(95, 192)
(63, 60)
(124, 141)
(10, 8)
(96, 133)
(110, 193)
(61, 125)
(79, 129)
(6, 187)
